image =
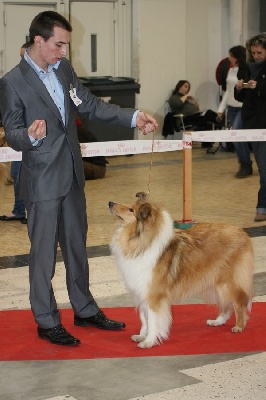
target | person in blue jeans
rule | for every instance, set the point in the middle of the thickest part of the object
(242, 148)
(19, 211)
(251, 91)
(237, 57)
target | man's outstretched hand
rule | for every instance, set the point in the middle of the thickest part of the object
(146, 123)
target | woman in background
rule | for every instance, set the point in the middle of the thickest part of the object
(237, 57)
(181, 102)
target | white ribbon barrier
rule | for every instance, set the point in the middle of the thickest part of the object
(107, 149)
(230, 135)
(8, 154)
(118, 148)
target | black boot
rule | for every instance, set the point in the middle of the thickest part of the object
(245, 170)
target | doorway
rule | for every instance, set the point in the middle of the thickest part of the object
(92, 47)
(16, 34)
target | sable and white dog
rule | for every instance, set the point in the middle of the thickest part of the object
(160, 265)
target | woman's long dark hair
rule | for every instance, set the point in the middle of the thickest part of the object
(239, 53)
(179, 85)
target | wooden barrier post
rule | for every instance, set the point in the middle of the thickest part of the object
(187, 221)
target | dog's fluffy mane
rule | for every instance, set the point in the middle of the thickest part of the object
(139, 241)
(141, 228)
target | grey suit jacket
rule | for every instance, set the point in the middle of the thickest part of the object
(47, 170)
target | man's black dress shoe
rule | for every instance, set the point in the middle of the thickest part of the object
(100, 321)
(58, 335)
(11, 218)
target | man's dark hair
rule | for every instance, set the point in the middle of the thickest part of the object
(43, 25)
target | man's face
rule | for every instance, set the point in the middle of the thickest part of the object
(54, 48)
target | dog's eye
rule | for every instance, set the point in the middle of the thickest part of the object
(130, 209)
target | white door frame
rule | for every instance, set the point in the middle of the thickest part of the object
(12, 46)
(122, 34)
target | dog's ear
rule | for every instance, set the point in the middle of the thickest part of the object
(144, 211)
(142, 196)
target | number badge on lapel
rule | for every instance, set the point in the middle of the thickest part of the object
(74, 96)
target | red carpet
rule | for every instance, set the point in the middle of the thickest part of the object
(189, 335)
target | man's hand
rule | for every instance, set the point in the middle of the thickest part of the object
(146, 123)
(37, 129)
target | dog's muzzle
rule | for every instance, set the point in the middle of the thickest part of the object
(111, 204)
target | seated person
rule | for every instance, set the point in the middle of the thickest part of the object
(181, 102)
(94, 167)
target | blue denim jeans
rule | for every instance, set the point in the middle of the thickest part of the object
(259, 149)
(19, 206)
(242, 148)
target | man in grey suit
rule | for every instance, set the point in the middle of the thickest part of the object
(39, 100)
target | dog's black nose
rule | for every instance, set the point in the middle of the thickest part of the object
(111, 203)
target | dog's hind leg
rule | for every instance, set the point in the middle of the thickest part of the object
(143, 314)
(224, 306)
(241, 304)
(221, 319)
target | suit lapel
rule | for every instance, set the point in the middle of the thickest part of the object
(35, 82)
(62, 78)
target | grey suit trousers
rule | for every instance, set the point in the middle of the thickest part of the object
(62, 221)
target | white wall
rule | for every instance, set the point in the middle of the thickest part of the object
(177, 39)
(204, 49)
(159, 42)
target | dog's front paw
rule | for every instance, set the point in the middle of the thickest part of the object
(237, 329)
(146, 344)
(138, 338)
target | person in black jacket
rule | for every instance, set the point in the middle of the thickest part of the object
(251, 91)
